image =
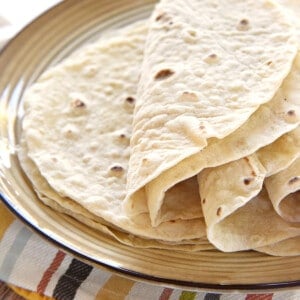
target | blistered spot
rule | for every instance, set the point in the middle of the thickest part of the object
(219, 211)
(117, 169)
(90, 71)
(291, 116)
(204, 200)
(192, 33)
(130, 100)
(243, 25)
(188, 96)
(294, 180)
(86, 159)
(70, 132)
(78, 103)
(162, 17)
(211, 58)
(247, 181)
(163, 74)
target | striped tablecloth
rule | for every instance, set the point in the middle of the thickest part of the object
(37, 270)
(29, 262)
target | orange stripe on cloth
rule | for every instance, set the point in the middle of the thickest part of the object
(259, 297)
(166, 294)
(115, 288)
(6, 219)
(59, 257)
(29, 295)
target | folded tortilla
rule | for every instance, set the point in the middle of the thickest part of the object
(67, 206)
(233, 194)
(268, 123)
(284, 191)
(280, 154)
(289, 247)
(201, 79)
(83, 108)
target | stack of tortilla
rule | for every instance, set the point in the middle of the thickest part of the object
(179, 132)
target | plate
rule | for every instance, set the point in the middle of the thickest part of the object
(45, 42)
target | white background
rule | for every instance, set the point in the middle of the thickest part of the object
(14, 14)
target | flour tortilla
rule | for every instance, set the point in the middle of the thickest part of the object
(226, 189)
(292, 9)
(237, 210)
(77, 128)
(289, 247)
(67, 206)
(268, 123)
(208, 65)
(280, 154)
(284, 191)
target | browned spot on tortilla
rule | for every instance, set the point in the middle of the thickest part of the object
(219, 210)
(249, 165)
(130, 100)
(243, 25)
(162, 17)
(213, 56)
(202, 127)
(78, 103)
(192, 33)
(204, 200)
(244, 22)
(117, 168)
(291, 113)
(188, 96)
(163, 74)
(269, 62)
(122, 136)
(247, 181)
(293, 180)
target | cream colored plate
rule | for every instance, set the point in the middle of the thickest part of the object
(45, 42)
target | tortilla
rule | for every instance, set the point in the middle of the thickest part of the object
(202, 78)
(237, 210)
(284, 191)
(289, 247)
(280, 154)
(83, 108)
(225, 189)
(268, 123)
(67, 206)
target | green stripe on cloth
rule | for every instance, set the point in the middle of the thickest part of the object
(185, 295)
(14, 252)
